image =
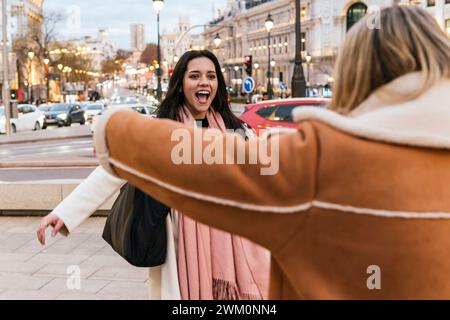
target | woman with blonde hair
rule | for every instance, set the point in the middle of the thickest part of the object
(360, 206)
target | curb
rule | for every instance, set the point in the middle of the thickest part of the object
(49, 164)
(42, 213)
(39, 197)
(46, 139)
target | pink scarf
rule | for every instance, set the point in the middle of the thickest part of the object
(214, 264)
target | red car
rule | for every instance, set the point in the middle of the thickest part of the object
(277, 113)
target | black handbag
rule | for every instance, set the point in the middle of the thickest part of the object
(136, 228)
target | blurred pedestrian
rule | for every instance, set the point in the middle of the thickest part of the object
(202, 262)
(360, 206)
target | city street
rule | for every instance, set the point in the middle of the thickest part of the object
(44, 174)
(72, 149)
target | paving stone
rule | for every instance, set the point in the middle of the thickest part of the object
(14, 241)
(86, 296)
(90, 247)
(110, 261)
(125, 289)
(107, 251)
(33, 246)
(83, 296)
(15, 256)
(86, 286)
(59, 258)
(64, 245)
(128, 273)
(13, 294)
(60, 270)
(24, 225)
(15, 281)
(21, 266)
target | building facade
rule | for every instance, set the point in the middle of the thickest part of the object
(99, 48)
(241, 30)
(137, 34)
(180, 40)
(27, 74)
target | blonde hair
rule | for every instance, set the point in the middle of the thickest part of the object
(407, 39)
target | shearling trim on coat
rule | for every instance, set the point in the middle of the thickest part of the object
(423, 122)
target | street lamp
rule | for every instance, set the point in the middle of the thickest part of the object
(308, 63)
(30, 69)
(256, 67)
(236, 69)
(158, 6)
(217, 40)
(47, 81)
(298, 79)
(269, 26)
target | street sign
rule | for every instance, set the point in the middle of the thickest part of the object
(282, 86)
(249, 84)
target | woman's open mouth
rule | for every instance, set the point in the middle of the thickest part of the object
(203, 96)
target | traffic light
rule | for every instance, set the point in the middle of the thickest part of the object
(13, 94)
(249, 65)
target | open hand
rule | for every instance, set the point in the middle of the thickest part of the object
(49, 220)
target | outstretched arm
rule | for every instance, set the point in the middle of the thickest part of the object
(81, 203)
(162, 158)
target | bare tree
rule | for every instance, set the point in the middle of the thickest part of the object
(38, 39)
(44, 36)
(113, 66)
(150, 54)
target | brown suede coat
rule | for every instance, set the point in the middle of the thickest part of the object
(353, 192)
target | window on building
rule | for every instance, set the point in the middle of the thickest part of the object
(355, 13)
(303, 41)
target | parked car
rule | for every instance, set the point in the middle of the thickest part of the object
(276, 113)
(92, 109)
(257, 98)
(29, 118)
(45, 107)
(64, 114)
(145, 109)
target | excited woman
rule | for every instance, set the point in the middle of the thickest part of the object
(201, 262)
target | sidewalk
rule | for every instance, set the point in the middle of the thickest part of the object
(47, 135)
(30, 271)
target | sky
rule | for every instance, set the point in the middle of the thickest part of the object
(116, 16)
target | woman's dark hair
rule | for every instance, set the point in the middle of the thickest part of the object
(170, 106)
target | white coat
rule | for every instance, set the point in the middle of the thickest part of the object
(89, 196)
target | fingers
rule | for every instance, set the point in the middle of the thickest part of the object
(41, 231)
(57, 227)
(49, 220)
